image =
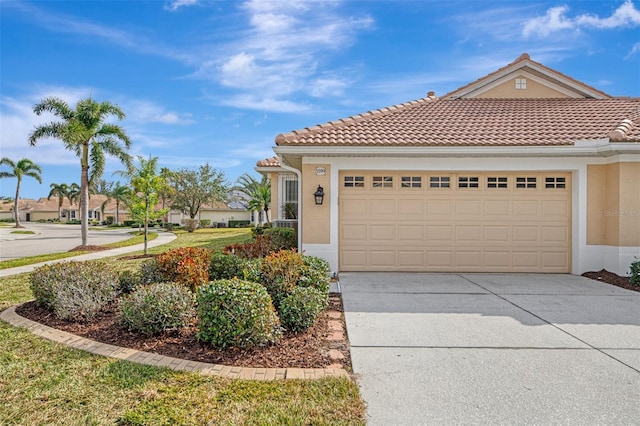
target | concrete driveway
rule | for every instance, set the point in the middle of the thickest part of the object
(493, 349)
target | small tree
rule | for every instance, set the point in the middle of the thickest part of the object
(24, 167)
(195, 188)
(147, 186)
(118, 193)
(257, 193)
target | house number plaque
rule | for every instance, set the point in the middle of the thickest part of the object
(321, 171)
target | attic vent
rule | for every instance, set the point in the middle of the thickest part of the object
(521, 83)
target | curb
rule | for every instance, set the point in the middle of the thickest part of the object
(10, 316)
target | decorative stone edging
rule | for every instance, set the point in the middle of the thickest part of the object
(10, 316)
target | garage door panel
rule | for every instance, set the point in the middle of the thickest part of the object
(497, 259)
(382, 207)
(382, 232)
(469, 259)
(440, 233)
(422, 228)
(497, 233)
(354, 232)
(440, 259)
(438, 207)
(468, 207)
(411, 258)
(382, 258)
(467, 233)
(497, 208)
(411, 232)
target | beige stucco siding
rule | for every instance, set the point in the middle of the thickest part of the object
(533, 90)
(613, 204)
(316, 224)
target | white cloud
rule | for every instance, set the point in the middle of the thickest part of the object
(634, 51)
(247, 101)
(556, 19)
(141, 111)
(323, 87)
(177, 4)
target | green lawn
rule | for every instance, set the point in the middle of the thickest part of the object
(43, 383)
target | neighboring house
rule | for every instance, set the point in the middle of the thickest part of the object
(218, 212)
(47, 209)
(523, 170)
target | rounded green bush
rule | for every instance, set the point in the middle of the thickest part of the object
(156, 308)
(75, 290)
(236, 313)
(301, 308)
(226, 266)
(315, 273)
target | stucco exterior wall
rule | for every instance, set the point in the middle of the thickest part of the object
(316, 226)
(534, 90)
(613, 204)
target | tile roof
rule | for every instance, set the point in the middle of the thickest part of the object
(269, 162)
(468, 122)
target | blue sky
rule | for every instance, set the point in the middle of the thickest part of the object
(216, 81)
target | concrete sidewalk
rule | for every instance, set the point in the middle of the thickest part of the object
(499, 349)
(163, 238)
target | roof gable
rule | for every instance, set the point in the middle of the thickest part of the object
(546, 82)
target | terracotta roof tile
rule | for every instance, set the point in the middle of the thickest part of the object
(428, 122)
(269, 162)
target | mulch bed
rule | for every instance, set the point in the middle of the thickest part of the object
(611, 278)
(303, 350)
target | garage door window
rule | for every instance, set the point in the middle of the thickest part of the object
(555, 182)
(525, 182)
(496, 182)
(354, 181)
(411, 182)
(468, 182)
(383, 181)
(439, 182)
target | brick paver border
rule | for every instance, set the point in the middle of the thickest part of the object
(9, 315)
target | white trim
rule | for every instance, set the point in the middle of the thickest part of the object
(599, 148)
(299, 174)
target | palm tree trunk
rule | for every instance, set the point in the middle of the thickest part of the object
(16, 213)
(60, 200)
(117, 212)
(84, 204)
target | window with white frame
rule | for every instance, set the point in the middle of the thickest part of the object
(72, 214)
(288, 196)
(521, 83)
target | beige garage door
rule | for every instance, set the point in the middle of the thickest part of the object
(458, 222)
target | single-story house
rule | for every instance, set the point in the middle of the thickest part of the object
(31, 210)
(218, 212)
(523, 170)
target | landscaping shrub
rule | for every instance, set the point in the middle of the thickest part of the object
(281, 238)
(226, 266)
(205, 223)
(634, 274)
(156, 308)
(280, 273)
(190, 224)
(236, 313)
(188, 266)
(252, 270)
(239, 223)
(315, 273)
(300, 309)
(259, 248)
(75, 290)
(148, 273)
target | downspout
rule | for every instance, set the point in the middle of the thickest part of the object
(299, 175)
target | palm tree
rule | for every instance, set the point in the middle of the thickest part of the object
(118, 193)
(258, 193)
(60, 191)
(24, 167)
(73, 193)
(83, 130)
